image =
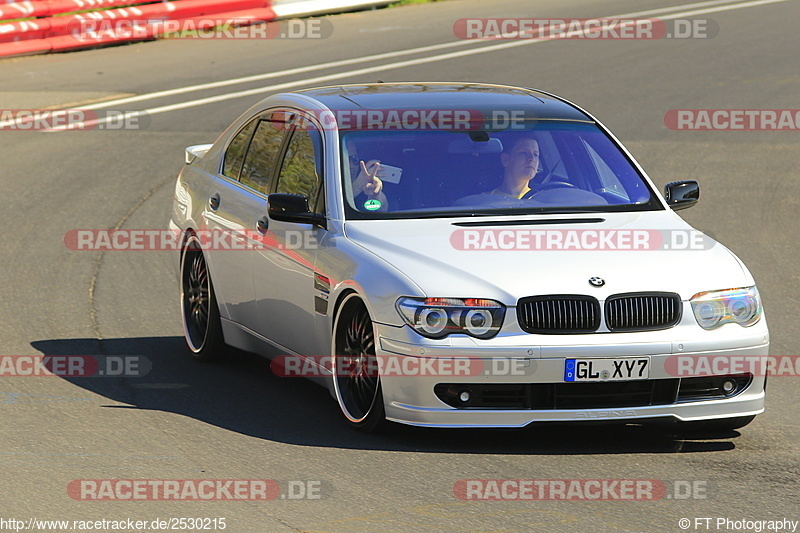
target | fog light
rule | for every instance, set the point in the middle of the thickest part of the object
(728, 386)
(464, 396)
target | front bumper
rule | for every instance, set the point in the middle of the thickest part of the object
(517, 360)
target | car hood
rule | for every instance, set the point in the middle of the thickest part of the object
(483, 259)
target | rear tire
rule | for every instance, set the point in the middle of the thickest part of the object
(202, 328)
(356, 379)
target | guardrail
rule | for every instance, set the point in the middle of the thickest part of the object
(43, 26)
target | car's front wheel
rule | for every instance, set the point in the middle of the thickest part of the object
(199, 311)
(356, 378)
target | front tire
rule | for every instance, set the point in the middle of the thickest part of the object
(199, 309)
(356, 379)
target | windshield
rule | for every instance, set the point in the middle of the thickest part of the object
(544, 167)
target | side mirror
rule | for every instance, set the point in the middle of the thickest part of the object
(682, 194)
(196, 152)
(292, 208)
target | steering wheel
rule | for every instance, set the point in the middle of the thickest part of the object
(547, 186)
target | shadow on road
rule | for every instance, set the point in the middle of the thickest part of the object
(245, 397)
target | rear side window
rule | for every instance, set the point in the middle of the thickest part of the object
(259, 163)
(234, 155)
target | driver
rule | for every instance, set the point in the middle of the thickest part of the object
(521, 163)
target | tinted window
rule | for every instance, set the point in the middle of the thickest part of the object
(234, 155)
(300, 172)
(260, 160)
(611, 183)
(538, 167)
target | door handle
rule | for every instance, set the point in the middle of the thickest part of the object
(214, 201)
(262, 225)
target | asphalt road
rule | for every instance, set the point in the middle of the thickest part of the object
(186, 420)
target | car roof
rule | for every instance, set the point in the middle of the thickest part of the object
(446, 96)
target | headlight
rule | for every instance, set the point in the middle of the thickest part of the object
(439, 317)
(715, 308)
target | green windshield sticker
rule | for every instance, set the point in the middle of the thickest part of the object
(372, 205)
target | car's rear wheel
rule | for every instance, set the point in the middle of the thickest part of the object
(355, 367)
(199, 310)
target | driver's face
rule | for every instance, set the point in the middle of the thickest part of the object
(523, 159)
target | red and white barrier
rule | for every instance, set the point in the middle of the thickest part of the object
(42, 26)
(52, 33)
(300, 8)
(48, 8)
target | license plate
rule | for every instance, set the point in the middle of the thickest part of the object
(623, 369)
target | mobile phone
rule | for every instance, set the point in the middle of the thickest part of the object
(390, 174)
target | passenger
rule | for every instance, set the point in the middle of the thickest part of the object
(366, 180)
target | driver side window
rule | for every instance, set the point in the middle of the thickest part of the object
(301, 170)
